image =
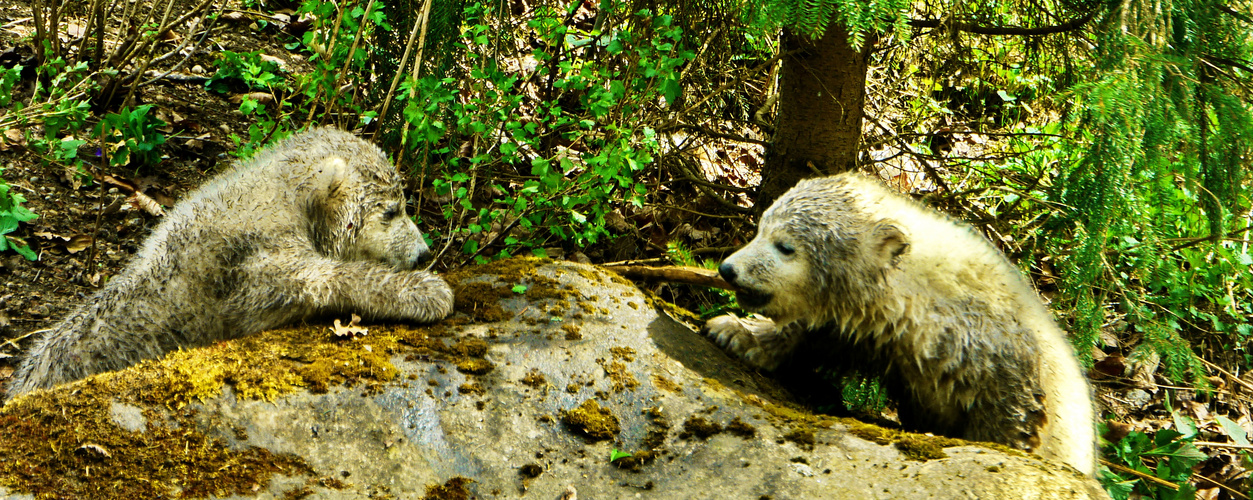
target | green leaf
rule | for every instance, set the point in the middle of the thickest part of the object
(20, 247)
(519, 289)
(1233, 431)
(671, 88)
(1184, 425)
(616, 454)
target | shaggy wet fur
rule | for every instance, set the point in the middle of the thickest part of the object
(921, 299)
(315, 223)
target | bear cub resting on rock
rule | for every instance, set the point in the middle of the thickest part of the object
(901, 290)
(315, 223)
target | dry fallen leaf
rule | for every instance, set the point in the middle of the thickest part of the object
(261, 97)
(48, 236)
(143, 202)
(78, 243)
(353, 328)
(12, 137)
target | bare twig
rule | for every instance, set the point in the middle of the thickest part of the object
(1141, 475)
(404, 60)
(199, 43)
(672, 274)
(948, 23)
(356, 42)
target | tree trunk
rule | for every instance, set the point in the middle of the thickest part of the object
(822, 90)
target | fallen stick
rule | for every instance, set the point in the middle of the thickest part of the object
(673, 274)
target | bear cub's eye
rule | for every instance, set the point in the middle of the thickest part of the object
(784, 248)
(390, 214)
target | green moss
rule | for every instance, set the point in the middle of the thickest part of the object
(472, 388)
(475, 366)
(667, 384)
(922, 449)
(530, 471)
(802, 437)
(637, 460)
(62, 444)
(700, 427)
(740, 428)
(623, 353)
(619, 376)
(452, 489)
(592, 421)
(534, 379)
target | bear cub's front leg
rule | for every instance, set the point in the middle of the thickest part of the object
(759, 341)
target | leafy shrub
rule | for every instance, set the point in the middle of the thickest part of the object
(559, 164)
(11, 213)
(133, 136)
(247, 69)
(1167, 454)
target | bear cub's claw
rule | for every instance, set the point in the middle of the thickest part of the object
(755, 340)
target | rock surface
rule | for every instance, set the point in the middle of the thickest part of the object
(547, 372)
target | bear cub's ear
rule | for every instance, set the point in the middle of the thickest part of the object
(888, 242)
(330, 175)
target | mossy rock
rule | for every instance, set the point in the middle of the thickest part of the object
(551, 381)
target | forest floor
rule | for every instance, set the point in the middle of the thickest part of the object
(87, 231)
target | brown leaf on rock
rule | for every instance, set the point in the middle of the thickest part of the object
(352, 329)
(95, 450)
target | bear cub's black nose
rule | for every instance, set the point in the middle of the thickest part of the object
(728, 272)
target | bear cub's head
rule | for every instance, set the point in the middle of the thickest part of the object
(363, 215)
(815, 247)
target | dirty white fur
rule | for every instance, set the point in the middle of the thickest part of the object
(315, 223)
(928, 301)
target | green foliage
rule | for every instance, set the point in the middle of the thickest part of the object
(59, 103)
(60, 100)
(335, 44)
(11, 213)
(562, 163)
(264, 129)
(1151, 196)
(812, 17)
(8, 78)
(248, 69)
(1167, 454)
(132, 135)
(860, 393)
(721, 301)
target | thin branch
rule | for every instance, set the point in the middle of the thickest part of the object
(719, 135)
(404, 61)
(672, 274)
(1232, 12)
(1004, 30)
(1141, 475)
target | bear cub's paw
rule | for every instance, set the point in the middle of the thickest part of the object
(435, 298)
(755, 340)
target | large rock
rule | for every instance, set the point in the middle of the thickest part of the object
(547, 372)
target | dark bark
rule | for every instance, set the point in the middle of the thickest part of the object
(822, 89)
